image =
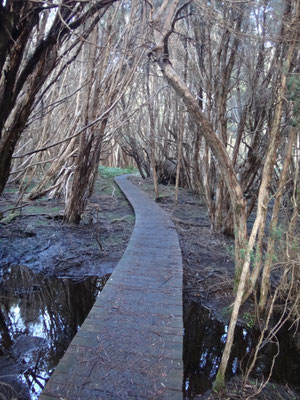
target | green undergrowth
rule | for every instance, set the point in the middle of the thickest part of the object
(38, 208)
(104, 186)
(126, 218)
(10, 217)
(111, 172)
(111, 190)
(14, 189)
(105, 183)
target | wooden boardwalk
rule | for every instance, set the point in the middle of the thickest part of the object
(130, 345)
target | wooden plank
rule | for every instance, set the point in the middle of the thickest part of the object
(130, 346)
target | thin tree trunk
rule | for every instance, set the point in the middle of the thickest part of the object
(197, 181)
(152, 156)
(152, 140)
(179, 158)
(262, 202)
(163, 29)
(265, 282)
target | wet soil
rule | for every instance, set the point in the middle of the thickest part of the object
(50, 275)
(35, 239)
(35, 236)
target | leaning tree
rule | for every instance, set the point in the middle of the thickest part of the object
(162, 21)
(32, 36)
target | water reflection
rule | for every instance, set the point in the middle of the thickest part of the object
(204, 341)
(38, 319)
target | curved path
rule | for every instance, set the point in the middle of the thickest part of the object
(130, 345)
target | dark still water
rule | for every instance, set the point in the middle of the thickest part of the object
(38, 318)
(205, 339)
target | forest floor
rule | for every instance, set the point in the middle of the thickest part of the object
(35, 236)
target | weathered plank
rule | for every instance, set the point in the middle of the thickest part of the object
(130, 345)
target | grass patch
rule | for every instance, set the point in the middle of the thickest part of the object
(10, 217)
(106, 185)
(111, 190)
(125, 218)
(36, 210)
(110, 172)
(11, 190)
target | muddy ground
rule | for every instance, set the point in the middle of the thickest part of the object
(36, 248)
(35, 236)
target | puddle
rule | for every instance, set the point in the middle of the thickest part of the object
(38, 318)
(204, 341)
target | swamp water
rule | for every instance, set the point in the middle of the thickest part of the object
(38, 318)
(204, 340)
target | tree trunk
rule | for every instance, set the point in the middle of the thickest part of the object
(28, 75)
(77, 199)
(19, 117)
(269, 163)
(265, 282)
(179, 157)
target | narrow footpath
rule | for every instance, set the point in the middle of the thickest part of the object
(130, 345)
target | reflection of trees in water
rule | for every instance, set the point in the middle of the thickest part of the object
(202, 350)
(204, 341)
(6, 339)
(51, 309)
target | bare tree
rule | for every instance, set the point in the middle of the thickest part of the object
(32, 34)
(162, 21)
(115, 72)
